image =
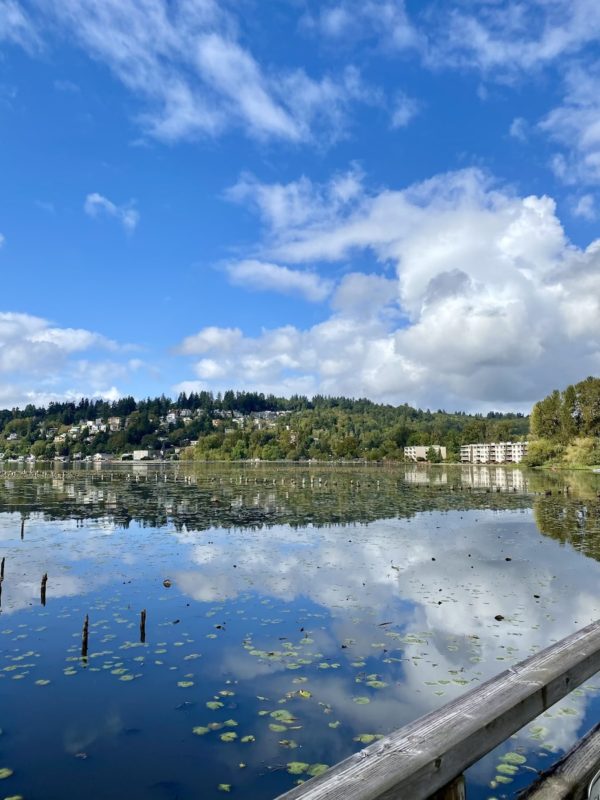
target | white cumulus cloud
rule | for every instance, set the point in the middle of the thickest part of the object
(40, 361)
(490, 304)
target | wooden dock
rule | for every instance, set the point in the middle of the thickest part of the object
(427, 758)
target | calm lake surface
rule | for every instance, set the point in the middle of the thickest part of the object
(305, 612)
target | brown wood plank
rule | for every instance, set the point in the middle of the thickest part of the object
(424, 756)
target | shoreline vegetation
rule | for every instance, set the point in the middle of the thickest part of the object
(565, 429)
(238, 426)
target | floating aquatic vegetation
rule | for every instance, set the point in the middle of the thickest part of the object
(297, 767)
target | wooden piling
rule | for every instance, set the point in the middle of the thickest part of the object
(43, 588)
(84, 637)
(143, 626)
(22, 529)
(2, 568)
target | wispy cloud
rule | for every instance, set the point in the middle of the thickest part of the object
(187, 66)
(575, 124)
(96, 205)
(585, 208)
(515, 36)
(519, 129)
(404, 110)
(263, 276)
(349, 20)
(16, 26)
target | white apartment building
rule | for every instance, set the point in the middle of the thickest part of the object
(494, 453)
(419, 452)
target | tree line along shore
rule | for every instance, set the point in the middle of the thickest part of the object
(563, 429)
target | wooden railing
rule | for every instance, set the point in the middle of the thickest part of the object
(427, 758)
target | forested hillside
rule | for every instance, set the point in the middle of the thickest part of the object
(240, 425)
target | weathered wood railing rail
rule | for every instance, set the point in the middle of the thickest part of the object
(427, 758)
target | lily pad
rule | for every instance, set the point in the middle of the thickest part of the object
(317, 769)
(297, 767)
(513, 758)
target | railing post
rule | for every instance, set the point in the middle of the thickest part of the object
(455, 790)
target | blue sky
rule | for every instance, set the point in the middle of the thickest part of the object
(381, 198)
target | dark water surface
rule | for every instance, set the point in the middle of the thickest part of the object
(309, 611)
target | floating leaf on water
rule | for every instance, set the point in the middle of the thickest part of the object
(214, 705)
(185, 684)
(277, 728)
(297, 767)
(248, 739)
(42, 682)
(127, 677)
(229, 736)
(376, 684)
(5, 772)
(283, 715)
(367, 738)
(361, 700)
(335, 724)
(224, 787)
(199, 730)
(304, 693)
(503, 779)
(230, 723)
(289, 743)
(507, 769)
(317, 769)
(513, 758)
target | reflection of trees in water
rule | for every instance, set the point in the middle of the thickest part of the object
(570, 521)
(228, 497)
(235, 499)
(578, 483)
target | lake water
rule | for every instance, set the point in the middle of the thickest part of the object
(293, 614)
